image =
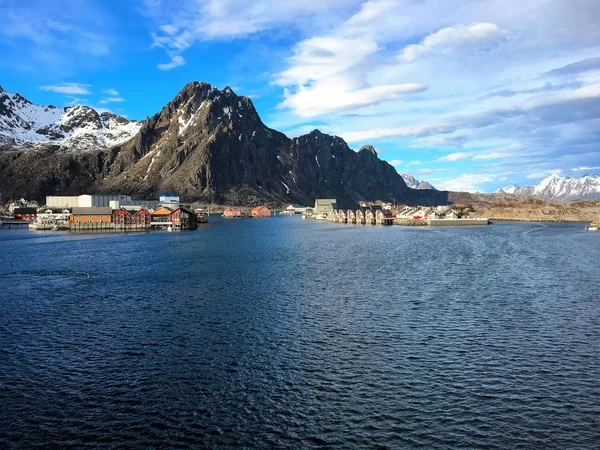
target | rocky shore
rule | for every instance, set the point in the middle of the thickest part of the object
(530, 209)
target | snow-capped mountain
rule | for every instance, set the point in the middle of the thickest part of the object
(23, 123)
(556, 187)
(413, 183)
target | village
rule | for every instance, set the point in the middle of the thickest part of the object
(104, 213)
(123, 213)
(380, 213)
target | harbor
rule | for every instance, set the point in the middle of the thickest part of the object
(119, 213)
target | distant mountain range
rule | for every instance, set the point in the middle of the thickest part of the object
(556, 187)
(206, 144)
(413, 183)
(24, 124)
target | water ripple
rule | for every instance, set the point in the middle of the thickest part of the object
(289, 333)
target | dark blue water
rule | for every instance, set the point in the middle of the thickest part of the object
(291, 333)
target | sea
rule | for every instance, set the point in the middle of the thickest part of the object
(291, 333)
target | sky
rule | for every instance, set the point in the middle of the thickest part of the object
(467, 94)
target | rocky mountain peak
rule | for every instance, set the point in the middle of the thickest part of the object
(413, 183)
(200, 106)
(18, 98)
(368, 148)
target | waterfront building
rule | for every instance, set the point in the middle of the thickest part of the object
(129, 218)
(84, 200)
(135, 204)
(182, 219)
(28, 214)
(360, 216)
(160, 217)
(91, 218)
(260, 211)
(234, 212)
(51, 220)
(351, 216)
(296, 209)
(169, 200)
(324, 207)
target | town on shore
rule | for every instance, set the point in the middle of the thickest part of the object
(88, 212)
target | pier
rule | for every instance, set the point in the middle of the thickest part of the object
(9, 223)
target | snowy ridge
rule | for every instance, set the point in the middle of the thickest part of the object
(413, 183)
(556, 187)
(23, 123)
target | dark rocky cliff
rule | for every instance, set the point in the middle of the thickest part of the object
(211, 145)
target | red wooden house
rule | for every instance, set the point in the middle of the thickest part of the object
(142, 217)
(182, 219)
(384, 217)
(125, 218)
(234, 212)
(260, 211)
(121, 217)
(28, 214)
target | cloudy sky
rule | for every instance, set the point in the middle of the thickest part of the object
(469, 94)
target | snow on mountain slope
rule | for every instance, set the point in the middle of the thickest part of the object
(23, 123)
(413, 183)
(556, 187)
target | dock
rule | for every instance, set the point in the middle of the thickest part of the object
(9, 222)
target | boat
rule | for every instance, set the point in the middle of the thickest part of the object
(54, 228)
(170, 228)
(592, 228)
(201, 216)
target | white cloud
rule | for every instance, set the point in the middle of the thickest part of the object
(68, 88)
(111, 92)
(467, 182)
(336, 94)
(460, 156)
(464, 156)
(395, 162)
(176, 61)
(325, 56)
(585, 168)
(112, 100)
(473, 37)
(169, 29)
(423, 171)
(329, 73)
(201, 20)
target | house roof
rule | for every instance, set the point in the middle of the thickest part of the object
(162, 211)
(260, 208)
(80, 210)
(25, 211)
(184, 210)
(325, 202)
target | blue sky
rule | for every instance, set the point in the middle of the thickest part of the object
(469, 95)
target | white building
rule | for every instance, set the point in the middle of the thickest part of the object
(84, 201)
(169, 200)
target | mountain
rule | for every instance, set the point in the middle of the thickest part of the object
(413, 183)
(206, 144)
(23, 124)
(556, 187)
